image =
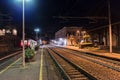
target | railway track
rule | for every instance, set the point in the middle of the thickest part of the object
(3, 54)
(100, 67)
(109, 63)
(69, 70)
(8, 59)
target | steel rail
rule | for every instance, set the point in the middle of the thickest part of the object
(85, 56)
(75, 68)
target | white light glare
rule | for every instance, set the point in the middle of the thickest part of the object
(60, 39)
(24, 0)
(36, 30)
(65, 42)
(28, 0)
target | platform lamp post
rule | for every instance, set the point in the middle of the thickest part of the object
(23, 32)
(23, 27)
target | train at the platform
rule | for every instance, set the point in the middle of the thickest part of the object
(28, 43)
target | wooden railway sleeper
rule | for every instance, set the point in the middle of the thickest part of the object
(77, 76)
(80, 78)
(72, 70)
(73, 73)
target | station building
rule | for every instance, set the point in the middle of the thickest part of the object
(68, 35)
(73, 35)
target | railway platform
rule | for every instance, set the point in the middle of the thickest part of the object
(36, 70)
(97, 51)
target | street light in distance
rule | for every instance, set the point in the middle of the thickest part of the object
(37, 30)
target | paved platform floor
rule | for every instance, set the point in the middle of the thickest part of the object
(40, 69)
(96, 51)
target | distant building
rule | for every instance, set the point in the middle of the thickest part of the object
(9, 38)
(68, 35)
(4, 32)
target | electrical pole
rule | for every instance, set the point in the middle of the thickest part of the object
(110, 27)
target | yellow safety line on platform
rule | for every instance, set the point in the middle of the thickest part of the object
(9, 66)
(41, 65)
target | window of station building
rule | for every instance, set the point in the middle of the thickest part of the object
(73, 33)
(68, 34)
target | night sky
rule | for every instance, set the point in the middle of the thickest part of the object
(44, 14)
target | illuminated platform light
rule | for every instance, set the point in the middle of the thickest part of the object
(28, 0)
(24, 0)
(30, 5)
(37, 30)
